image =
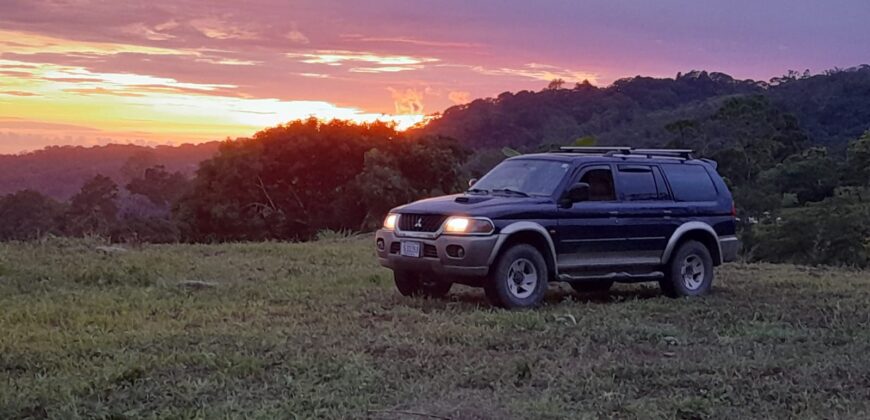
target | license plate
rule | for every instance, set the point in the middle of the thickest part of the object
(411, 249)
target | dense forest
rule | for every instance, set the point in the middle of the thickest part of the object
(795, 151)
(833, 108)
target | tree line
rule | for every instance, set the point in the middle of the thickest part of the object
(287, 182)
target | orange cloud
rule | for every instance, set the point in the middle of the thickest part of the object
(17, 93)
(101, 91)
(409, 101)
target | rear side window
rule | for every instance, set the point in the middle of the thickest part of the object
(690, 182)
(637, 183)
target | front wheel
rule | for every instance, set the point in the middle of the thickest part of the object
(418, 284)
(518, 279)
(689, 272)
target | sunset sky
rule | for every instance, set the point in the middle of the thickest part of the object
(165, 72)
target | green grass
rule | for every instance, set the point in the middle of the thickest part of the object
(317, 331)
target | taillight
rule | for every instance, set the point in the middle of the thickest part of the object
(733, 209)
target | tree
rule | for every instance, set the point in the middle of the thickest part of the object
(687, 131)
(510, 152)
(555, 84)
(159, 186)
(28, 214)
(135, 166)
(585, 141)
(835, 231)
(584, 85)
(93, 209)
(810, 175)
(858, 161)
(296, 179)
(746, 135)
(381, 187)
(406, 171)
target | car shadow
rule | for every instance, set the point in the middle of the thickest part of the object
(471, 298)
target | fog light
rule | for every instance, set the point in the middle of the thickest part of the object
(455, 251)
(381, 245)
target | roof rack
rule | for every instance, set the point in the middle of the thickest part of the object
(594, 149)
(627, 151)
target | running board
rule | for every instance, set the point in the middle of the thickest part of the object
(621, 276)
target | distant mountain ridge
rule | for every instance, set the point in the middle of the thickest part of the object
(832, 108)
(60, 171)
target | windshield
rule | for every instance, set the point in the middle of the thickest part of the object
(523, 177)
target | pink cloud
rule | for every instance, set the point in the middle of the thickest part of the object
(459, 97)
(410, 41)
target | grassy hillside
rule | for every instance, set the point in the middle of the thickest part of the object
(316, 330)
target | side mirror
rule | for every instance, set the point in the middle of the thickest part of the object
(578, 192)
(471, 182)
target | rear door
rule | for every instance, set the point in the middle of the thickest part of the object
(647, 211)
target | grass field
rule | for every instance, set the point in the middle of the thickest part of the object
(317, 331)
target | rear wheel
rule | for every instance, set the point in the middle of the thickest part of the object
(518, 278)
(592, 286)
(411, 283)
(689, 272)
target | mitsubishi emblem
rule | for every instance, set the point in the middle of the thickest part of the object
(419, 223)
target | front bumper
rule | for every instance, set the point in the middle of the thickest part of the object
(479, 254)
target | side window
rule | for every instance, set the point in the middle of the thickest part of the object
(600, 180)
(690, 182)
(660, 184)
(637, 183)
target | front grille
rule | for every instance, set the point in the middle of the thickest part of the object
(421, 222)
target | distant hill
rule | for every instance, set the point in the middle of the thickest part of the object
(831, 108)
(60, 171)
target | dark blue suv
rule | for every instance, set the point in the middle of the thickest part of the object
(586, 216)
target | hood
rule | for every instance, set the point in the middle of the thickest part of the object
(470, 205)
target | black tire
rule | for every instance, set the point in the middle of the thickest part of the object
(520, 261)
(592, 286)
(419, 284)
(689, 272)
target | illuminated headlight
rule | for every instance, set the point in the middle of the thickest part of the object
(390, 221)
(468, 226)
